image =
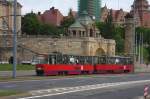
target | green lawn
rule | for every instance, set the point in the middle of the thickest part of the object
(9, 67)
(8, 92)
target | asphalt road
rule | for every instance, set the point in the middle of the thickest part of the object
(79, 88)
(135, 92)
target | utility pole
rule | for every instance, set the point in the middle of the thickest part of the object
(134, 41)
(14, 40)
(142, 58)
(140, 48)
(136, 45)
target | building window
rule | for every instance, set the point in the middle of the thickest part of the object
(91, 33)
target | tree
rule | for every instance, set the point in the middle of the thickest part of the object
(69, 20)
(109, 31)
(109, 26)
(30, 24)
(119, 38)
(146, 38)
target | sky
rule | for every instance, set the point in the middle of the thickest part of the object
(65, 5)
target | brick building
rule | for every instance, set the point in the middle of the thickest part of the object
(117, 15)
(52, 16)
(140, 9)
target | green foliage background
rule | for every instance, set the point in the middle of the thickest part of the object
(109, 31)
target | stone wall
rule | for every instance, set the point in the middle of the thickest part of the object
(75, 46)
(28, 47)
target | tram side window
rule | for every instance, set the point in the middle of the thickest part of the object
(72, 60)
(65, 60)
(117, 61)
(59, 59)
(89, 60)
(125, 61)
(101, 60)
(95, 60)
(85, 60)
(42, 60)
(82, 60)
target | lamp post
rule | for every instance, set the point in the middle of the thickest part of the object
(14, 40)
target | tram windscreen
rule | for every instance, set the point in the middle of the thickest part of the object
(40, 59)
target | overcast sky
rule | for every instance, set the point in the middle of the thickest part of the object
(64, 5)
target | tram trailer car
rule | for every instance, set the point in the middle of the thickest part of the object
(75, 65)
(114, 65)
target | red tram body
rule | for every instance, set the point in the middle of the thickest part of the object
(75, 65)
(113, 68)
(63, 69)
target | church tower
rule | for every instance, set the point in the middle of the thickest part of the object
(140, 10)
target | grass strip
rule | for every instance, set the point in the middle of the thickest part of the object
(9, 67)
(9, 92)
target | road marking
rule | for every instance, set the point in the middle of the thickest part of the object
(59, 91)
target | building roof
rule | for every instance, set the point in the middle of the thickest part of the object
(77, 24)
(85, 19)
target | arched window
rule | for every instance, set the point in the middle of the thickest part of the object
(83, 33)
(91, 33)
(74, 33)
(80, 33)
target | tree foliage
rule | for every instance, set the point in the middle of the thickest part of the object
(107, 28)
(145, 32)
(109, 31)
(68, 20)
(32, 26)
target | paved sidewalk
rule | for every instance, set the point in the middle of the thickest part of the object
(142, 68)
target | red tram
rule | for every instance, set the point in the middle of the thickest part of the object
(60, 64)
